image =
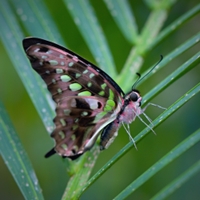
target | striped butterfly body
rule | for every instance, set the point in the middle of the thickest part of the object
(89, 102)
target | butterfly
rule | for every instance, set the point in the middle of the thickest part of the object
(88, 101)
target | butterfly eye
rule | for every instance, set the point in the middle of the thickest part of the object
(134, 97)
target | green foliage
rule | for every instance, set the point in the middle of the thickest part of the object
(123, 36)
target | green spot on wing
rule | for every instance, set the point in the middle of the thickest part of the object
(64, 146)
(59, 71)
(111, 103)
(77, 75)
(107, 108)
(53, 81)
(66, 112)
(62, 63)
(111, 94)
(84, 93)
(59, 90)
(62, 121)
(53, 62)
(65, 78)
(84, 113)
(71, 64)
(102, 93)
(75, 86)
(89, 84)
(44, 57)
(85, 72)
(73, 137)
(103, 86)
(74, 127)
(99, 116)
(76, 120)
(91, 75)
(62, 135)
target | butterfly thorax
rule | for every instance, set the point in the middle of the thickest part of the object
(131, 107)
(129, 111)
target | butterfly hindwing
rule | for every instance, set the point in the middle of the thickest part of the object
(78, 127)
(87, 98)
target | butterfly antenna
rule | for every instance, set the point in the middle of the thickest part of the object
(139, 79)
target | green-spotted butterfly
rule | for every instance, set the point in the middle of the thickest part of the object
(88, 101)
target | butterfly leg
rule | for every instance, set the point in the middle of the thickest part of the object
(129, 134)
(152, 104)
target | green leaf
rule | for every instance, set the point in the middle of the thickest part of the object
(19, 18)
(183, 69)
(16, 159)
(168, 158)
(175, 25)
(82, 171)
(37, 20)
(149, 39)
(175, 53)
(22, 66)
(178, 182)
(151, 30)
(180, 102)
(154, 4)
(123, 16)
(135, 58)
(85, 19)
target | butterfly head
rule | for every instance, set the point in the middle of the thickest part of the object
(134, 97)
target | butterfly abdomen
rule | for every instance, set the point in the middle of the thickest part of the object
(108, 135)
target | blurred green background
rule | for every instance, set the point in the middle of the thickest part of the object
(35, 139)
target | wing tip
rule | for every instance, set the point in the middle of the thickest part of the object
(28, 41)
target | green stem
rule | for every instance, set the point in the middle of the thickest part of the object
(80, 173)
(135, 59)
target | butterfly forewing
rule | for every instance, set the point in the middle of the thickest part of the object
(87, 98)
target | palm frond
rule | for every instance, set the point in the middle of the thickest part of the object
(122, 37)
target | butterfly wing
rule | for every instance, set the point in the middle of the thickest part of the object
(87, 98)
